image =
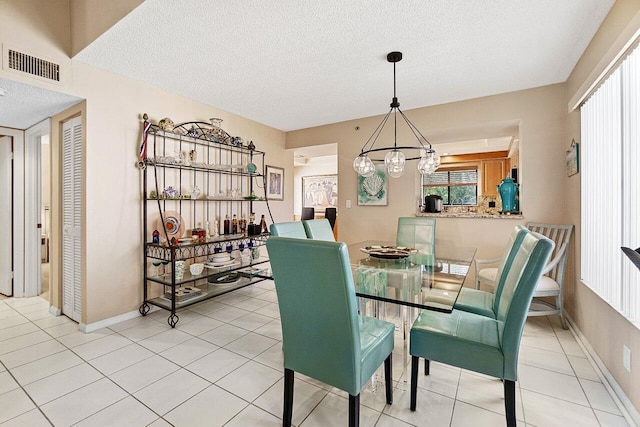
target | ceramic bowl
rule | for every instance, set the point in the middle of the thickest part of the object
(220, 257)
(196, 268)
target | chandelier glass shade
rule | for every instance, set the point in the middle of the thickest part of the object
(395, 157)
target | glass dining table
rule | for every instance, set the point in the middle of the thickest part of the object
(394, 283)
(385, 272)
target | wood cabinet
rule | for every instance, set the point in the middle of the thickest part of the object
(493, 171)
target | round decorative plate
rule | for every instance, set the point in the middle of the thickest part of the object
(388, 252)
(173, 223)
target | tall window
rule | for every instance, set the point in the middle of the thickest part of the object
(610, 192)
(456, 187)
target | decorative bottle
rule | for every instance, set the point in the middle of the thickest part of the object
(243, 224)
(227, 226)
(234, 224)
(263, 225)
(508, 190)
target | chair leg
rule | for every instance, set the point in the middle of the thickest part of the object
(415, 360)
(288, 398)
(388, 379)
(426, 367)
(510, 402)
(354, 410)
(559, 303)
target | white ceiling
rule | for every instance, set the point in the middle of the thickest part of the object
(294, 64)
(22, 105)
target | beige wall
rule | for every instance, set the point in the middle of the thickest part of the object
(91, 18)
(605, 329)
(540, 114)
(112, 229)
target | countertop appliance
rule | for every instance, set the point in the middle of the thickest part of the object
(433, 203)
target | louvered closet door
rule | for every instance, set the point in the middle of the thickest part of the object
(71, 216)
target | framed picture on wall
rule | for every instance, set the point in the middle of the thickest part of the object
(275, 183)
(320, 191)
(372, 190)
(573, 159)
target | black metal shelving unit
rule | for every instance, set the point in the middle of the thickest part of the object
(228, 174)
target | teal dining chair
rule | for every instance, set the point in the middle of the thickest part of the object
(319, 229)
(486, 303)
(288, 229)
(479, 343)
(323, 336)
(418, 233)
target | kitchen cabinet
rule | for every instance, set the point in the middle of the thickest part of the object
(493, 172)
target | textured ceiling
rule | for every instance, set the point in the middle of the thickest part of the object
(293, 64)
(24, 105)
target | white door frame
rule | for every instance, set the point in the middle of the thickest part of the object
(6, 215)
(33, 207)
(18, 208)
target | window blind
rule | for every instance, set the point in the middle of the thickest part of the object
(610, 188)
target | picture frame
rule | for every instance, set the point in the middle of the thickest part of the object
(573, 158)
(373, 190)
(320, 191)
(274, 183)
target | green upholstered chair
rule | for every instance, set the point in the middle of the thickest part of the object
(418, 233)
(288, 229)
(478, 343)
(323, 336)
(486, 303)
(319, 229)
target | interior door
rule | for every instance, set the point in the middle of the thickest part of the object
(71, 218)
(6, 216)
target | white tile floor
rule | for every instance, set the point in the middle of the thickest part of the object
(222, 366)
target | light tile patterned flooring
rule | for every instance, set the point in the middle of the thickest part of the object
(222, 366)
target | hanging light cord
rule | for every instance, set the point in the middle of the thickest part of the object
(395, 108)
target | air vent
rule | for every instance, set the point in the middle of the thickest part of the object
(34, 66)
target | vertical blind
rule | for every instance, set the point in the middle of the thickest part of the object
(610, 188)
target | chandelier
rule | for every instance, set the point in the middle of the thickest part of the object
(395, 159)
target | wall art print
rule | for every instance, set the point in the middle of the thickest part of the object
(573, 159)
(320, 191)
(275, 183)
(372, 191)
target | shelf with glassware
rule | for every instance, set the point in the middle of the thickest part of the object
(199, 187)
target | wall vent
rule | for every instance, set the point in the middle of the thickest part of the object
(35, 66)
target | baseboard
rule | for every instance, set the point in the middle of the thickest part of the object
(105, 323)
(627, 409)
(55, 310)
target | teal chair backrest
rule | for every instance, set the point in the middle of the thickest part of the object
(319, 229)
(417, 232)
(288, 229)
(318, 310)
(515, 241)
(521, 279)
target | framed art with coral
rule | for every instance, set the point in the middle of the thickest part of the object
(372, 191)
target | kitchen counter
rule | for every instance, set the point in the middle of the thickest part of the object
(475, 215)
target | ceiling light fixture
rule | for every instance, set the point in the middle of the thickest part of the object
(395, 159)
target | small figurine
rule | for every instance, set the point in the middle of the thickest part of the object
(251, 146)
(170, 193)
(192, 132)
(156, 236)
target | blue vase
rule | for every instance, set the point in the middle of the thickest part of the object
(508, 191)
